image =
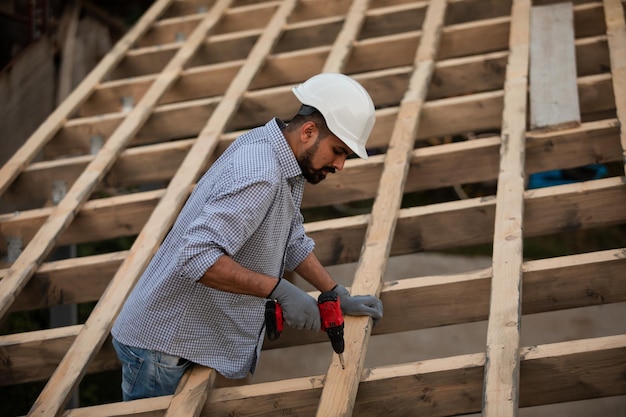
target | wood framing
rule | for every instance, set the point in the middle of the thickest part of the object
(450, 79)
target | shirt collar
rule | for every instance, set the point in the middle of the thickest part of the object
(286, 157)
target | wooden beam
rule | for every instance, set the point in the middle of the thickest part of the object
(342, 47)
(574, 281)
(341, 385)
(501, 386)
(475, 113)
(192, 392)
(616, 34)
(437, 387)
(553, 92)
(470, 222)
(67, 376)
(64, 213)
(431, 167)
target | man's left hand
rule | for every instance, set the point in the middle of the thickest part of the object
(359, 305)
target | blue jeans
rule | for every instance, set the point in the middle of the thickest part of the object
(148, 373)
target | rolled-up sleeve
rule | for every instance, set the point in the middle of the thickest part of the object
(226, 222)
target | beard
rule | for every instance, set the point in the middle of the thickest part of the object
(311, 174)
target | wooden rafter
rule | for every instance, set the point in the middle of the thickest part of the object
(501, 389)
(448, 79)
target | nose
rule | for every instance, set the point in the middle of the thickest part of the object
(339, 161)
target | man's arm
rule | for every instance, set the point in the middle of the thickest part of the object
(312, 270)
(227, 275)
(299, 309)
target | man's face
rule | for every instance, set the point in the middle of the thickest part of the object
(323, 156)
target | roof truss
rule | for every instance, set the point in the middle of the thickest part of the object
(120, 155)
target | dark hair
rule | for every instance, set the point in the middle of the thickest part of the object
(315, 117)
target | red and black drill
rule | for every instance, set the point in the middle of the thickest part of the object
(330, 315)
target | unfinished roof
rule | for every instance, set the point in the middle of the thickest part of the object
(456, 104)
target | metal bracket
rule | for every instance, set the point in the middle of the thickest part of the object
(180, 37)
(14, 248)
(95, 142)
(59, 189)
(128, 102)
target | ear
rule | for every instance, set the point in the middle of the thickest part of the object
(308, 131)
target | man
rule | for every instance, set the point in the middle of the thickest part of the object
(202, 297)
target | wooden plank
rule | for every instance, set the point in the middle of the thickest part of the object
(575, 281)
(553, 92)
(68, 281)
(44, 133)
(501, 385)
(475, 113)
(469, 222)
(342, 47)
(192, 392)
(64, 213)
(437, 387)
(616, 34)
(431, 167)
(341, 385)
(35, 355)
(72, 367)
(68, 374)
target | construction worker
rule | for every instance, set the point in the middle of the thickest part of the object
(202, 297)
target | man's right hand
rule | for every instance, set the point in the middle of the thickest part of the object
(299, 308)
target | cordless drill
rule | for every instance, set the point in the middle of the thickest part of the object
(330, 315)
(332, 321)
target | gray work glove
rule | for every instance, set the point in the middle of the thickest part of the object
(359, 305)
(299, 308)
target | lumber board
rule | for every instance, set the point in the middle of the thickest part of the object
(239, 75)
(68, 281)
(501, 385)
(72, 367)
(192, 392)
(616, 34)
(34, 355)
(435, 167)
(341, 385)
(386, 51)
(554, 284)
(553, 92)
(475, 113)
(444, 386)
(584, 205)
(63, 214)
(67, 376)
(343, 43)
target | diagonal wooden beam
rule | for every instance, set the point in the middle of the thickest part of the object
(341, 386)
(196, 160)
(501, 386)
(71, 369)
(344, 42)
(43, 243)
(616, 35)
(192, 392)
(101, 319)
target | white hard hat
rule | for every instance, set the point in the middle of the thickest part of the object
(345, 104)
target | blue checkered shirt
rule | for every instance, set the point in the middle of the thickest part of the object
(246, 206)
